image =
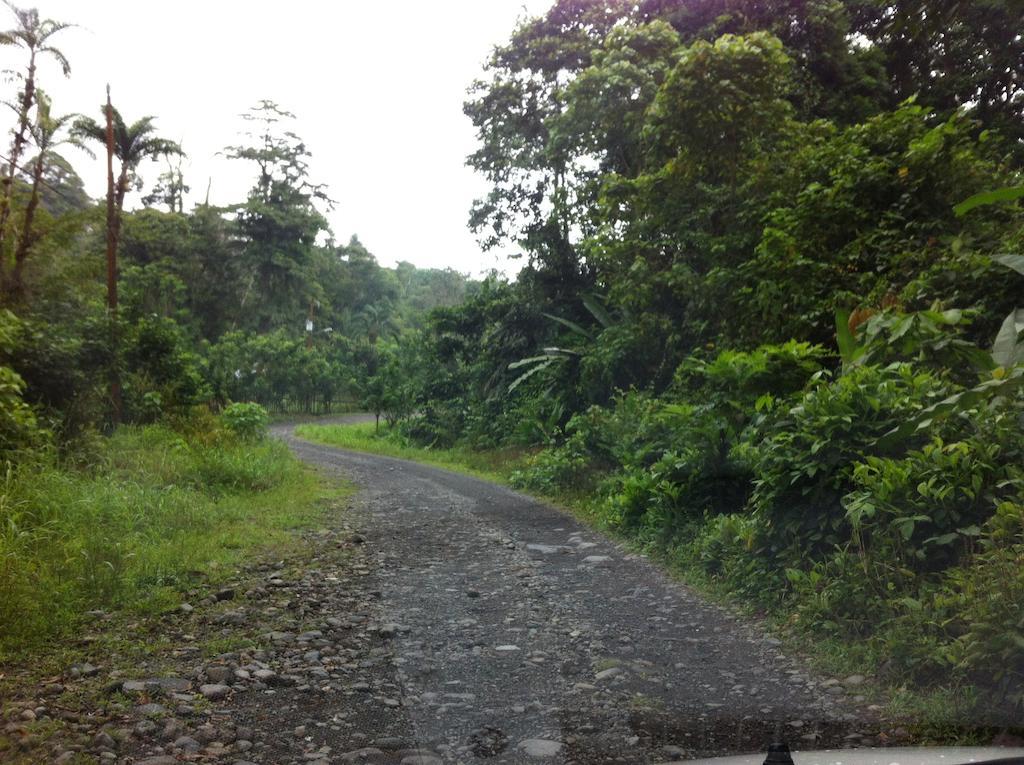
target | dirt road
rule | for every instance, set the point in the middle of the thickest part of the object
(480, 625)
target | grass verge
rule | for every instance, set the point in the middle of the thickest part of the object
(155, 513)
(495, 465)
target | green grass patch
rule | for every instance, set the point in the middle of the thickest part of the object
(494, 465)
(153, 516)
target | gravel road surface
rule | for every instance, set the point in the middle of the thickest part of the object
(502, 630)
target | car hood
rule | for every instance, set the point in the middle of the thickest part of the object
(924, 755)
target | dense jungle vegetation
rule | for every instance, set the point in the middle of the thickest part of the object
(766, 324)
(217, 315)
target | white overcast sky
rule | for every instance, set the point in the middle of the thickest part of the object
(377, 88)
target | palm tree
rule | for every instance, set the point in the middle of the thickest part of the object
(45, 133)
(376, 320)
(33, 35)
(132, 144)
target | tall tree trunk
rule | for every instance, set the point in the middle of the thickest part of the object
(17, 147)
(28, 237)
(112, 232)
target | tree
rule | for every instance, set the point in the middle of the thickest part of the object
(33, 34)
(535, 198)
(45, 133)
(835, 78)
(375, 318)
(279, 221)
(132, 144)
(951, 54)
(170, 188)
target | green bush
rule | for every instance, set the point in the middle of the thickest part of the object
(248, 421)
(986, 605)
(633, 431)
(740, 378)
(18, 426)
(924, 511)
(805, 457)
(161, 375)
(723, 547)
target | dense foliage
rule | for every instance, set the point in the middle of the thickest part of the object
(757, 325)
(133, 410)
(754, 327)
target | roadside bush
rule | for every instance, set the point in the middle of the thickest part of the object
(661, 502)
(18, 426)
(247, 421)
(739, 378)
(565, 467)
(805, 457)
(723, 547)
(986, 603)
(632, 432)
(925, 511)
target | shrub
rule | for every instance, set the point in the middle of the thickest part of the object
(163, 376)
(740, 378)
(633, 431)
(923, 512)
(986, 602)
(18, 426)
(724, 548)
(248, 422)
(804, 464)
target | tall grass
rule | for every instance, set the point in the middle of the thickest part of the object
(133, 530)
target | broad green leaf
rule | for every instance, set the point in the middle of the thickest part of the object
(1004, 349)
(1008, 194)
(978, 358)
(597, 310)
(844, 337)
(1010, 260)
(529, 373)
(570, 324)
(555, 350)
(531, 360)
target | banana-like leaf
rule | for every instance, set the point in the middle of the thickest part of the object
(978, 358)
(1008, 194)
(556, 351)
(597, 310)
(550, 354)
(570, 324)
(530, 373)
(1010, 260)
(531, 360)
(1005, 348)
